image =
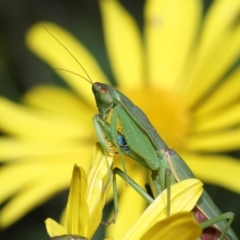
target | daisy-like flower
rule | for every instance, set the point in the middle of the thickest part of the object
(154, 222)
(180, 75)
(85, 201)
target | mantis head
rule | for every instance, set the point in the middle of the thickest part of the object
(104, 96)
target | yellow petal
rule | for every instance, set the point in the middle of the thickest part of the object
(33, 193)
(54, 229)
(217, 100)
(25, 172)
(215, 169)
(34, 167)
(170, 28)
(61, 102)
(217, 52)
(217, 141)
(35, 149)
(47, 48)
(98, 188)
(184, 196)
(181, 226)
(38, 179)
(77, 207)
(218, 22)
(223, 119)
(123, 42)
(33, 124)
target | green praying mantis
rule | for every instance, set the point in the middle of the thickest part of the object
(139, 140)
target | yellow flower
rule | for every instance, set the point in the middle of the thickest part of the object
(154, 222)
(174, 76)
(86, 199)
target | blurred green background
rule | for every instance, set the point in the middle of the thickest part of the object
(20, 70)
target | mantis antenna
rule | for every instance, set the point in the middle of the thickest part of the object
(88, 79)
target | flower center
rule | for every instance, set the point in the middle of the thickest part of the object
(165, 111)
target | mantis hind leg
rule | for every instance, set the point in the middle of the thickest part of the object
(162, 179)
(228, 216)
(133, 184)
(137, 188)
(115, 201)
